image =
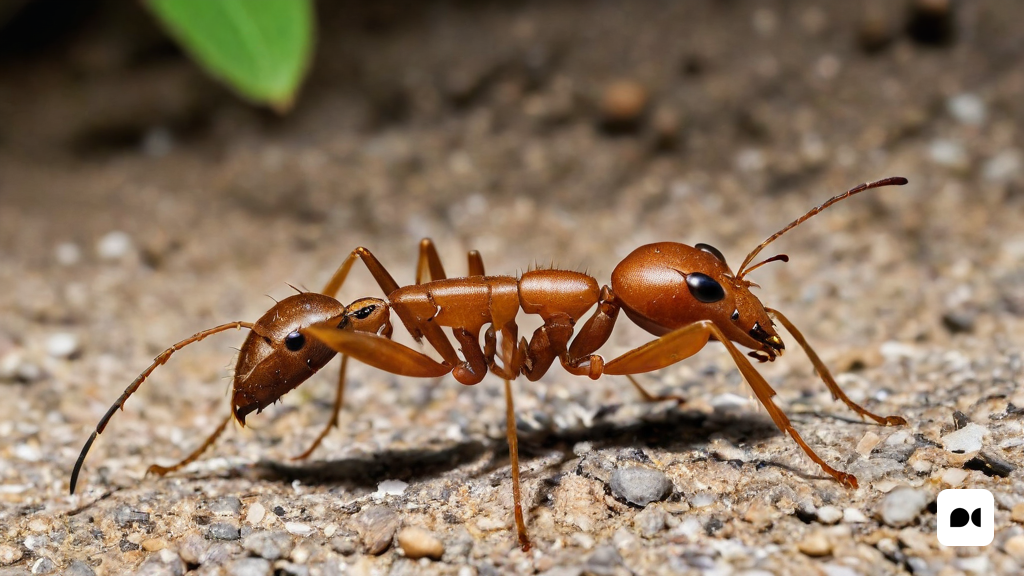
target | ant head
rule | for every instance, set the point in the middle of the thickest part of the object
(666, 286)
(276, 356)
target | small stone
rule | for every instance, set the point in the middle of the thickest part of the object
(67, 253)
(62, 345)
(255, 514)
(1017, 513)
(666, 124)
(1003, 167)
(958, 321)
(874, 33)
(622, 105)
(902, 505)
(79, 568)
(390, 488)
(990, 465)
(419, 543)
(650, 521)
(965, 440)
(298, 528)
(954, 476)
(640, 486)
(829, 514)
(226, 506)
(868, 443)
(192, 549)
(223, 531)
(163, 563)
(249, 567)
(815, 545)
(1014, 548)
(43, 566)
(949, 153)
(154, 544)
(269, 545)
(114, 245)
(378, 525)
(967, 109)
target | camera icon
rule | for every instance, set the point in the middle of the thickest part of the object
(965, 517)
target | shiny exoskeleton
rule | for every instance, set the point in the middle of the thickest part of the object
(686, 296)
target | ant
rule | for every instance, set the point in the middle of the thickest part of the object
(684, 295)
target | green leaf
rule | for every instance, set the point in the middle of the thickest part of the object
(261, 48)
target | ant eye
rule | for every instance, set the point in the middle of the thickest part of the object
(362, 313)
(711, 250)
(294, 341)
(735, 315)
(704, 288)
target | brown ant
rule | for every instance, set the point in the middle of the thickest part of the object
(684, 295)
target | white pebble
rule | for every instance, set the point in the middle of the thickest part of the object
(298, 528)
(902, 505)
(1003, 167)
(829, 514)
(967, 109)
(854, 516)
(67, 253)
(62, 345)
(390, 488)
(255, 514)
(114, 245)
(965, 440)
(954, 476)
(948, 153)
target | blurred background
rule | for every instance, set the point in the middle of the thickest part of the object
(142, 200)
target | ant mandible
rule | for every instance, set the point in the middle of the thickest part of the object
(684, 295)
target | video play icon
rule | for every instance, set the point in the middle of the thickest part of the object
(965, 517)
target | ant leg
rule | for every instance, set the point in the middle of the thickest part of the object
(161, 470)
(476, 263)
(826, 376)
(119, 404)
(648, 397)
(379, 352)
(334, 415)
(687, 341)
(513, 452)
(429, 261)
(380, 274)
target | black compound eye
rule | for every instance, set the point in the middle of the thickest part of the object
(711, 250)
(704, 288)
(735, 315)
(363, 313)
(294, 341)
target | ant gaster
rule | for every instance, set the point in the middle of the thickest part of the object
(684, 295)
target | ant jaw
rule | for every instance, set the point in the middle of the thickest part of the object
(762, 356)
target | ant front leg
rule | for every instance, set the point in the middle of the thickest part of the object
(687, 341)
(826, 376)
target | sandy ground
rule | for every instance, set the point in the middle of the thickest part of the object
(139, 203)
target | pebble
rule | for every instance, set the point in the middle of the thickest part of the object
(249, 567)
(378, 526)
(622, 104)
(874, 33)
(125, 515)
(344, 544)
(967, 109)
(43, 566)
(223, 531)
(67, 253)
(902, 505)
(868, 443)
(829, 514)
(419, 543)
(959, 321)
(154, 544)
(62, 345)
(270, 545)
(949, 153)
(965, 440)
(815, 545)
(255, 514)
(1017, 513)
(79, 568)
(954, 476)
(640, 486)
(390, 488)
(114, 245)
(650, 521)
(1003, 167)
(226, 506)
(192, 549)
(298, 528)
(163, 563)
(1014, 547)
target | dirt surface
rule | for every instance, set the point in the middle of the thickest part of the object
(140, 203)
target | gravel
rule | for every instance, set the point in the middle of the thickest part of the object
(249, 567)
(968, 439)
(418, 543)
(640, 486)
(270, 545)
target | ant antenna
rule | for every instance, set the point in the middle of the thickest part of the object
(294, 288)
(892, 181)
